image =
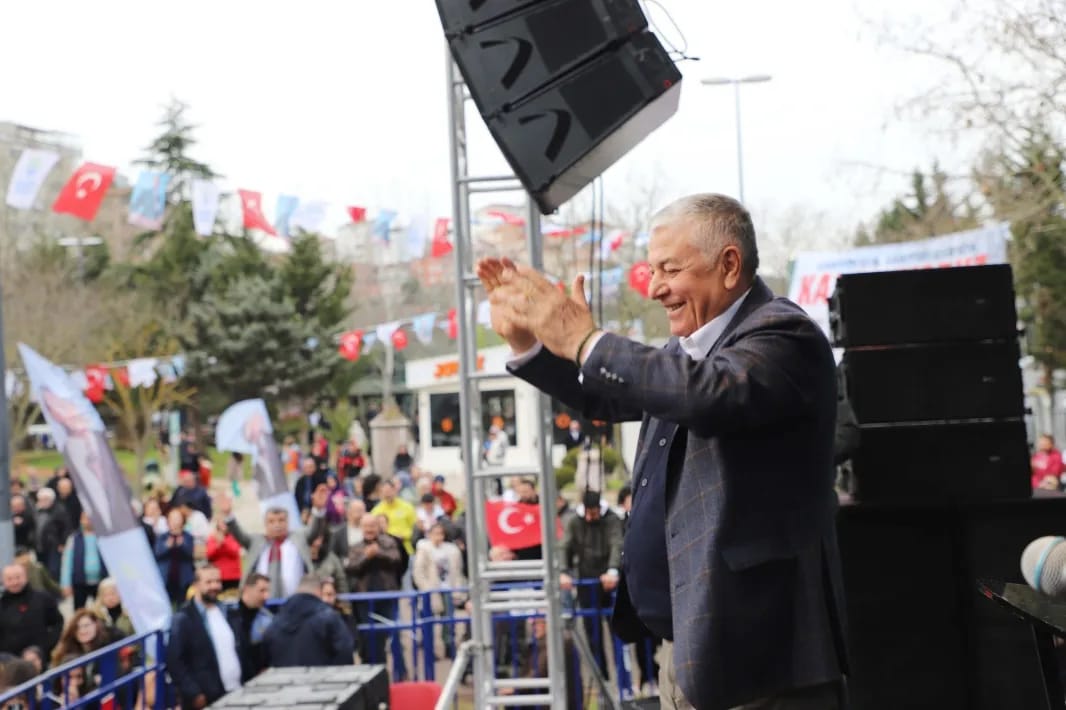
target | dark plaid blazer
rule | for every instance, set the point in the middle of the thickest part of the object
(754, 568)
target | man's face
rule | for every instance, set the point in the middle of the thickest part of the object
(65, 487)
(208, 584)
(188, 480)
(277, 525)
(14, 579)
(692, 289)
(592, 514)
(1046, 443)
(436, 535)
(527, 493)
(86, 522)
(308, 467)
(109, 597)
(370, 528)
(388, 490)
(44, 502)
(255, 595)
(328, 594)
(18, 505)
(356, 510)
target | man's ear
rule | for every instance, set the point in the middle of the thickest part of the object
(732, 266)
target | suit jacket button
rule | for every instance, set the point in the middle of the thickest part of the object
(644, 482)
(662, 442)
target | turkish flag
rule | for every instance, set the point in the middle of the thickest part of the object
(513, 525)
(358, 214)
(453, 324)
(84, 192)
(252, 209)
(351, 345)
(440, 246)
(96, 376)
(121, 375)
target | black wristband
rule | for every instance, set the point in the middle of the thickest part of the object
(584, 342)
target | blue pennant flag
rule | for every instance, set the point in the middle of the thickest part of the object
(287, 204)
(382, 223)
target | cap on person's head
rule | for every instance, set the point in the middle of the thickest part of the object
(438, 478)
(428, 498)
(591, 499)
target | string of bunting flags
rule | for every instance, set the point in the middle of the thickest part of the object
(96, 379)
(83, 193)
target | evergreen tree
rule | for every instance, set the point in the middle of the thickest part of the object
(169, 152)
(1027, 187)
(920, 214)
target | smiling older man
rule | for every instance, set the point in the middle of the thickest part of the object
(730, 552)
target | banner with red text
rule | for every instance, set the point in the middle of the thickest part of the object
(814, 274)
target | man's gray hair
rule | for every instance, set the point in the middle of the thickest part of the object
(310, 583)
(719, 221)
(276, 509)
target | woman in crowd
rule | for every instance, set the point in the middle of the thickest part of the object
(83, 634)
(108, 606)
(153, 516)
(325, 562)
(224, 552)
(439, 565)
(329, 596)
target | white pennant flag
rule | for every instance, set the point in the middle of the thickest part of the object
(385, 331)
(30, 171)
(309, 216)
(205, 196)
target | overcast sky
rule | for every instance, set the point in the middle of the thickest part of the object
(345, 100)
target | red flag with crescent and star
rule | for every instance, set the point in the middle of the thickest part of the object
(514, 525)
(84, 192)
(252, 209)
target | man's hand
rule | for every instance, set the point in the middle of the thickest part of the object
(609, 581)
(68, 592)
(528, 300)
(371, 549)
(490, 271)
(200, 701)
(566, 582)
(225, 505)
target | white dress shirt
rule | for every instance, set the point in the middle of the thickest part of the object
(225, 645)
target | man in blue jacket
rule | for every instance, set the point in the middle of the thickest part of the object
(308, 632)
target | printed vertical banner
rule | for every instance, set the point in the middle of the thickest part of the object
(205, 199)
(283, 211)
(309, 216)
(814, 274)
(245, 427)
(102, 490)
(148, 201)
(28, 176)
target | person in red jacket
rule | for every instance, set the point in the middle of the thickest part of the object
(224, 552)
(446, 499)
(1046, 463)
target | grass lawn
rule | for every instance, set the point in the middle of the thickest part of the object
(46, 461)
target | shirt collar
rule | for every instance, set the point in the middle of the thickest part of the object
(699, 344)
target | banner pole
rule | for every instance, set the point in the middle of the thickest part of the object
(7, 526)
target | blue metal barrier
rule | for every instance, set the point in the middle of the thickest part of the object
(384, 618)
(123, 673)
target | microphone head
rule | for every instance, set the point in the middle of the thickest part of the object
(1044, 565)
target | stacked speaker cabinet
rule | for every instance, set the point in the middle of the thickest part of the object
(566, 87)
(931, 370)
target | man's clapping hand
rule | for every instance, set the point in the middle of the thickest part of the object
(527, 306)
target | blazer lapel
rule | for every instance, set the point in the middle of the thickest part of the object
(760, 295)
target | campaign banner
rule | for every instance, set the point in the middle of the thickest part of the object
(148, 201)
(245, 427)
(102, 489)
(28, 176)
(205, 200)
(814, 274)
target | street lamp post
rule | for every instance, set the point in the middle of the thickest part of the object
(736, 82)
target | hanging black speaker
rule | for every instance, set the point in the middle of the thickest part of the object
(566, 87)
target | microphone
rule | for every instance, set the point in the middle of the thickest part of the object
(1044, 565)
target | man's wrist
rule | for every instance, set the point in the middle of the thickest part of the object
(582, 347)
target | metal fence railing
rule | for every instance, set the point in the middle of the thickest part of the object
(399, 629)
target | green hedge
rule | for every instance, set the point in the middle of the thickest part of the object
(567, 470)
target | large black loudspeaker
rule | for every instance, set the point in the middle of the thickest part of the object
(566, 87)
(931, 370)
(977, 380)
(923, 306)
(920, 636)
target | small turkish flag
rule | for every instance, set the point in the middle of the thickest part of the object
(96, 376)
(399, 339)
(252, 208)
(512, 525)
(440, 245)
(351, 345)
(453, 324)
(84, 192)
(640, 278)
(358, 214)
